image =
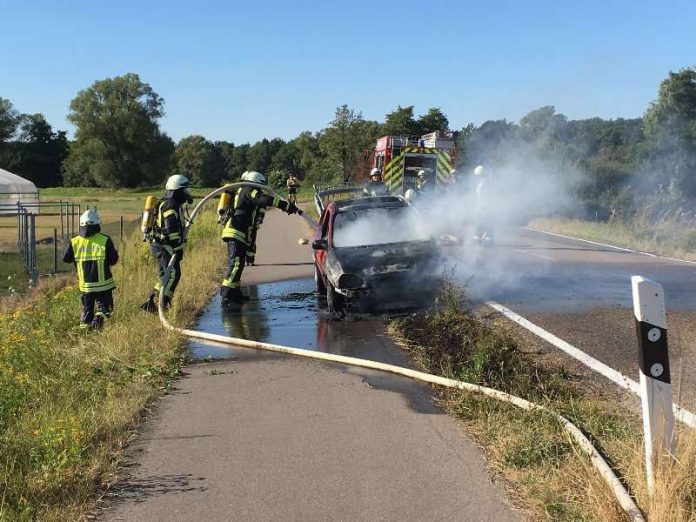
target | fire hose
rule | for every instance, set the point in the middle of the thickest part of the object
(601, 466)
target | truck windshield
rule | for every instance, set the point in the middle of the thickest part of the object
(378, 226)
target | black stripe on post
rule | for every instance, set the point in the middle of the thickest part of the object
(652, 350)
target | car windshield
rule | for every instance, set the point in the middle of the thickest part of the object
(378, 226)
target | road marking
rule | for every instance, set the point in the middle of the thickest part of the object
(611, 246)
(610, 373)
(542, 256)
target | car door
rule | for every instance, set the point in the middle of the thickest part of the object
(323, 233)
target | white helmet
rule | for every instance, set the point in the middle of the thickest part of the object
(410, 195)
(90, 217)
(177, 182)
(478, 171)
(421, 173)
(254, 177)
(375, 172)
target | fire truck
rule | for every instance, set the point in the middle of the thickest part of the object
(400, 158)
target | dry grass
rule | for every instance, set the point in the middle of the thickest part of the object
(664, 237)
(546, 475)
(69, 400)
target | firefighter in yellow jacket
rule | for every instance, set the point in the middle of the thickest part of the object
(93, 253)
(239, 233)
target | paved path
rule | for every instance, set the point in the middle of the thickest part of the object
(267, 437)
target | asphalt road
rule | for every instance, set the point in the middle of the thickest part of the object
(582, 293)
(268, 437)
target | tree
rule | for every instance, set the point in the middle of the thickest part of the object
(401, 122)
(345, 140)
(39, 151)
(670, 129)
(237, 164)
(9, 119)
(259, 156)
(308, 153)
(200, 161)
(433, 120)
(542, 125)
(118, 142)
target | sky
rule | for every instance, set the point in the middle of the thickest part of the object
(241, 71)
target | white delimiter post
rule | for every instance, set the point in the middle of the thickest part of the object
(655, 380)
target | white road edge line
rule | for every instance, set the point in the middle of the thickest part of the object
(540, 256)
(610, 246)
(680, 413)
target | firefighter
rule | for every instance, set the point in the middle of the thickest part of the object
(425, 185)
(238, 232)
(293, 184)
(251, 250)
(167, 241)
(376, 187)
(484, 230)
(93, 254)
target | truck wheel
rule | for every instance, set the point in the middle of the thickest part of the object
(321, 287)
(335, 302)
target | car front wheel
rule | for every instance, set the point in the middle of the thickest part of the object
(335, 302)
(321, 287)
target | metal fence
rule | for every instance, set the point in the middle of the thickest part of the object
(38, 245)
(27, 239)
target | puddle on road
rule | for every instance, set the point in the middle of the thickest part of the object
(291, 314)
(285, 313)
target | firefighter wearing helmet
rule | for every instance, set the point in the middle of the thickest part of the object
(375, 187)
(240, 223)
(93, 254)
(484, 229)
(166, 239)
(425, 184)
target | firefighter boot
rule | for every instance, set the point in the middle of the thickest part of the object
(97, 322)
(231, 296)
(150, 305)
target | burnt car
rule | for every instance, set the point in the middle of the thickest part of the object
(373, 255)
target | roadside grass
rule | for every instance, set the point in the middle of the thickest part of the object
(546, 474)
(664, 237)
(69, 400)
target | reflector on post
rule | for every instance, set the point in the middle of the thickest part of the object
(655, 378)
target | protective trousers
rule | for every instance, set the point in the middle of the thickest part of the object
(163, 254)
(104, 302)
(236, 258)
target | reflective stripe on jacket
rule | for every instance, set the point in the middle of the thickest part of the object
(90, 254)
(168, 224)
(249, 203)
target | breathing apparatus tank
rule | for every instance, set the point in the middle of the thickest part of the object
(148, 217)
(224, 207)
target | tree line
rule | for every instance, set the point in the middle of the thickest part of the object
(118, 143)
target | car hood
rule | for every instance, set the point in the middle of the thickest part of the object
(379, 259)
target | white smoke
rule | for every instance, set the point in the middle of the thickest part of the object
(521, 185)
